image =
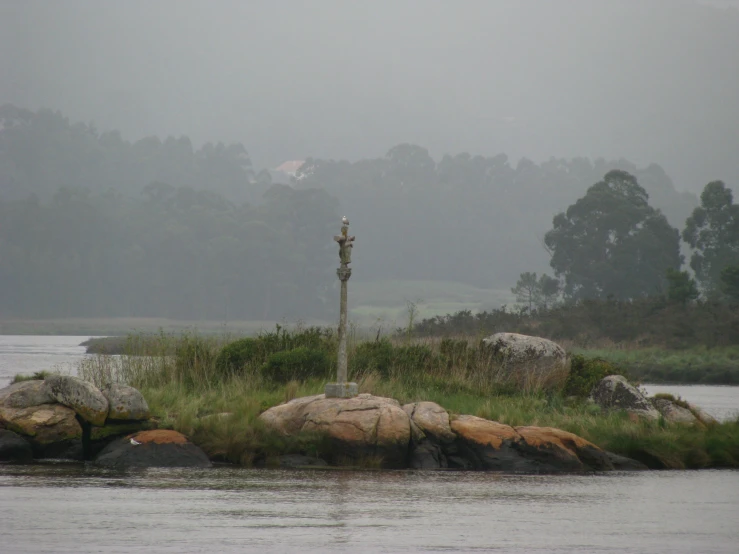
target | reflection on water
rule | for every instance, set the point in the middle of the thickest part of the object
(71, 508)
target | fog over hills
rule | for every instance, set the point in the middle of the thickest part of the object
(646, 81)
(135, 138)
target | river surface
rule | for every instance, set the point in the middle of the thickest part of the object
(60, 507)
(29, 353)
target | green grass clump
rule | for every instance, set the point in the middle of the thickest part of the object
(585, 373)
(297, 364)
(237, 356)
(250, 354)
(375, 356)
(36, 376)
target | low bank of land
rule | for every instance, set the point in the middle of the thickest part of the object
(698, 365)
(213, 391)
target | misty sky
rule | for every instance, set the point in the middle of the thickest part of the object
(649, 81)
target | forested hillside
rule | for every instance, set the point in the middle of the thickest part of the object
(91, 225)
(42, 151)
(94, 225)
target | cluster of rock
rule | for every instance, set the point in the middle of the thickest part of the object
(616, 393)
(422, 435)
(68, 418)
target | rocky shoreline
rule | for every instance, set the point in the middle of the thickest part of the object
(63, 417)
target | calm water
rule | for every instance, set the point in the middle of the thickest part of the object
(73, 508)
(27, 354)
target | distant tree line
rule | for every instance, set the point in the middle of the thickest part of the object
(42, 151)
(92, 224)
(468, 218)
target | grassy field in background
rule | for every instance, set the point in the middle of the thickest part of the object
(372, 305)
(656, 365)
(386, 303)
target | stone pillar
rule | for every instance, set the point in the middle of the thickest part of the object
(342, 388)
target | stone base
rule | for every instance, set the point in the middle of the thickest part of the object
(341, 390)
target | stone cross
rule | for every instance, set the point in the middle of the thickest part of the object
(341, 388)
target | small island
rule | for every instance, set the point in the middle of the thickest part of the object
(508, 402)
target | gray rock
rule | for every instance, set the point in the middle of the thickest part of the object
(622, 463)
(702, 415)
(50, 428)
(126, 403)
(14, 448)
(25, 394)
(529, 361)
(83, 397)
(672, 412)
(616, 393)
(426, 454)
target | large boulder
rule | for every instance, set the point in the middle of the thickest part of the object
(25, 394)
(361, 427)
(14, 448)
(491, 445)
(531, 362)
(126, 403)
(157, 448)
(83, 397)
(50, 428)
(616, 393)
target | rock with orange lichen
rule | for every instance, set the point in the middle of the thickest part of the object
(562, 449)
(154, 448)
(362, 427)
(494, 446)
